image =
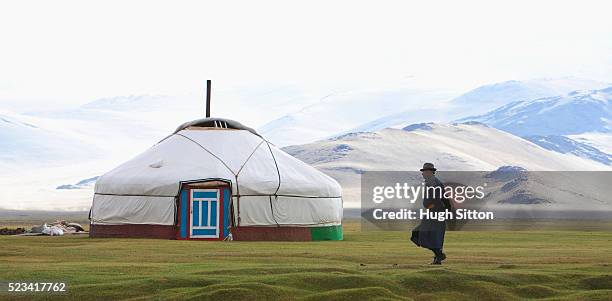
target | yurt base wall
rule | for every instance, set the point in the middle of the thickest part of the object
(203, 213)
(287, 233)
(239, 233)
(132, 231)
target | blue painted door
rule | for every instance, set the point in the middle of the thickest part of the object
(205, 213)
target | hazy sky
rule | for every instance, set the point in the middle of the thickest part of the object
(65, 52)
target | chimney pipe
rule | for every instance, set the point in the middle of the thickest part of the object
(208, 82)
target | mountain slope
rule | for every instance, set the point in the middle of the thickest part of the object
(579, 123)
(478, 101)
(488, 97)
(470, 146)
(575, 113)
(27, 141)
(601, 141)
(565, 145)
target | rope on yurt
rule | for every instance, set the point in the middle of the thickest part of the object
(277, 170)
(208, 151)
(248, 158)
(237, 200)
(279, 181)
(272, 210)
(269, 196)
(236, 177)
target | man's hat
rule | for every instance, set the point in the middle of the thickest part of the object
(428, 166)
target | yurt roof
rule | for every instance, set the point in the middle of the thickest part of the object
(233, 152)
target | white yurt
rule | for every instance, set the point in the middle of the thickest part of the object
(216, 179)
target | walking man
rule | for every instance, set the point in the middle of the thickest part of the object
(430, 232)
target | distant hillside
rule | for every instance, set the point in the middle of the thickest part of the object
(565, 145)
(479, 100)
(470, 146)
(488, 97)
(579, 123)
(575, 113)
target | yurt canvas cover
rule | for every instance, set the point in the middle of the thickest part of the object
(255, 190)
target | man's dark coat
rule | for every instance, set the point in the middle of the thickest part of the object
(430, 233)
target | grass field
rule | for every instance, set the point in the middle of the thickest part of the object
(547, 265)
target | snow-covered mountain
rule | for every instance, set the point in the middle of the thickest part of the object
(338, 112)
(40, 153)
(478, 101)
(28, 141)
(470, 146)
(488, 97)
(600, 141)
(574, 113)
(565, 145)
(82, 184)
(579, 122)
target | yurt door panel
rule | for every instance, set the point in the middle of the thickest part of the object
(204, 214)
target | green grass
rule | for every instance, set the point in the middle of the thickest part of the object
(520, 265)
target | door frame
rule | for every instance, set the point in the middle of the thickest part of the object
(220, 213)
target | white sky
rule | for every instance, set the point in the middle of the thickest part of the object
(55, 53)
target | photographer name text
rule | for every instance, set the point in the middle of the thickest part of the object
(409, 214)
